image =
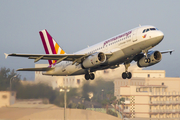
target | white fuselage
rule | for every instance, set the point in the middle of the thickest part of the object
(123, 48)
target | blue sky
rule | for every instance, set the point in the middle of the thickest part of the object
(74, 24)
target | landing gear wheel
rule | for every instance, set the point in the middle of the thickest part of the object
(87, 76)
(147, 60)
(124, 75)
(92, 76)
(129, 75)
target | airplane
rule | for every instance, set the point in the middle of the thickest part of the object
(132, 45)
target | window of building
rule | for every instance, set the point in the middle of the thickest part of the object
(4, 96)
(150, 89)
(148, 75)
(137, 89)
(78, 81)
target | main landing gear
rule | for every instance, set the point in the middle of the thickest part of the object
(126, 74)
(90, 76)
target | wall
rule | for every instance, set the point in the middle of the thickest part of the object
(172, 83)
(149, 73)
(6, 98)
(58, 81)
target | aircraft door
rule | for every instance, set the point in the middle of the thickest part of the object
(134, 35)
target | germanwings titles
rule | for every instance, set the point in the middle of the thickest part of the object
(133, 45)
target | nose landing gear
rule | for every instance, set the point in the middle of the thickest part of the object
(146, 60)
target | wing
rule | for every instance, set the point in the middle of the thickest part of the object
(167, 51)
(76, 58)
(140, 55)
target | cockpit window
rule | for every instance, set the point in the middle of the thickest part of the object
(152, 29)
(144, 30)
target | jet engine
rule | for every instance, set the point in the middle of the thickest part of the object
(94, 60)
(153, 56)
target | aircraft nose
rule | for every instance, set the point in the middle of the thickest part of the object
(160, 35)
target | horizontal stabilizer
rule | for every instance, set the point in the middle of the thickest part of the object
(6, 55)
(35, 69)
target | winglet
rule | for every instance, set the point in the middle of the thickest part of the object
(171, 52)
(6, 55)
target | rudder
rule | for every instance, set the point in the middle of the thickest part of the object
(50, 45)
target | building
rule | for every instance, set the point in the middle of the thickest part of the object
(139, 77)
(146, 102)
(154, 96)
(148, 74)
(7, 98)
(58, 81)
(77, 81)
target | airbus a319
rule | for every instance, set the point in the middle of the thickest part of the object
(132, 45)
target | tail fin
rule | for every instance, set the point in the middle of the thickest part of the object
(50, 45)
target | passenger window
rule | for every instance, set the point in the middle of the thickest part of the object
(147, 30)
(144, 31)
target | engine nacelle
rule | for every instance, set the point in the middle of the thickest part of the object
(94, 60)
(155, 57)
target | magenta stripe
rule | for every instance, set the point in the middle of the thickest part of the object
(50, 62)
(51, 42)
(44, 43)
(45, 46)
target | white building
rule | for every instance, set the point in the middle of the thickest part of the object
(57, 81)
(152, 97)
(149, 74)
(77, 81)
(7, 98)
